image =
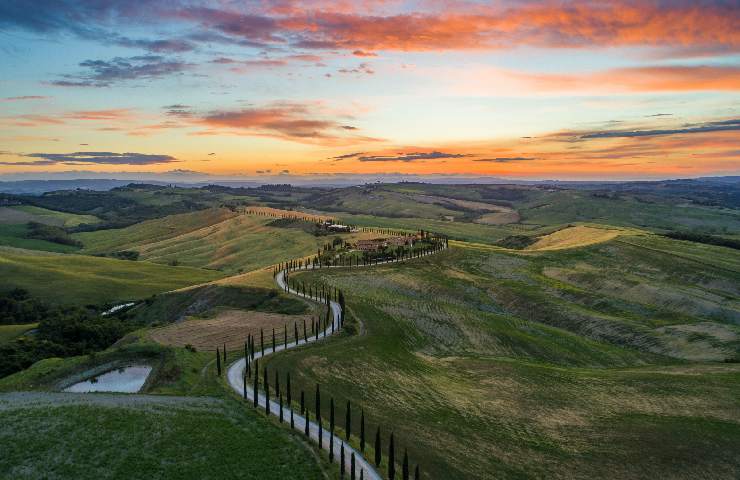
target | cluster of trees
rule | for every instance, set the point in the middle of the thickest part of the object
(427, 245)
(704, 238)
(17, 307)
(50, 233)
(517, 242)
(61, 331)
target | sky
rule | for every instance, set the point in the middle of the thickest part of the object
(527, 89)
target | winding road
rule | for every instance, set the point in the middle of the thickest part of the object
(235, 377)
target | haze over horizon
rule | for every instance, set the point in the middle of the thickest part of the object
(606, 90)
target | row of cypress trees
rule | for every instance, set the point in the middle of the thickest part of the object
(325, 296)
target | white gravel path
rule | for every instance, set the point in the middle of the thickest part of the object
(235, 376)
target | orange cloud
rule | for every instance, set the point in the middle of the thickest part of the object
(541, 24)
(642, 79)
(289, 121)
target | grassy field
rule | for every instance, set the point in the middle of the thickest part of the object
(80, 279)
(520, 208)
(572, 237)
(147, 437)
(16, 236)
(28, 213)
(486, 364)
(215, 239)
(228, 327)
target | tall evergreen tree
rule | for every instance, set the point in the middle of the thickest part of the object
(273, 340)
(405, 470)
(318, 412)
(224, 354)
(266, 383)
(245, 385)
(285, 337)
(417, 476)
(341, 460)
(281, 406)
(305, 336)
(289, 400)
(256, 382)
(352, 466)
(262, 341)
(362, 431)
(331, 429)
(391, 460)
(218, 361)
(277, 384)
(303, 403)
(308, 420)
(378, 454)
(295, 332)
(348, 421)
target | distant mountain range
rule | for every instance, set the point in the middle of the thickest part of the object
(40, 186)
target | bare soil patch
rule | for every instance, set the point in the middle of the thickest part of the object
(227, 326)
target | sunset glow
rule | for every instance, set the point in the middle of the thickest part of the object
(512, 88)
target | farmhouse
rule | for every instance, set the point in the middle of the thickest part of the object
(399, 241)
(371, 245)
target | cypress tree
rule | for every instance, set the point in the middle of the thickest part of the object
(277, 384)
(246, 353)
(224, 354)
(405, 471)
(362, 431)
(331, 429)
(305, 337)
(362, 474)
(416, 473)
(295, 332)
(288, 400)
(352, 466)
(391, 460)
(262, 341)
(273, 340)
(218, 362)
(318, 412)
(321, 433)
(341, 460)
(303, 403)
(281, 406)
(305, 427)
(285, 337)
(348, 421)
(378, 454)
(266, 382)
(256, 382)
(245, 385)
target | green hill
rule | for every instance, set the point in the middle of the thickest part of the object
(215, 238)
(82, 279)
(482, 360)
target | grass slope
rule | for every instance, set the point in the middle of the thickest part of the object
(144, 437)
(215, 239)
(485, 366)
(16, 236)
(81, 279)
(28, 213)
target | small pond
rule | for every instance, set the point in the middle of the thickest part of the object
(127, 380)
